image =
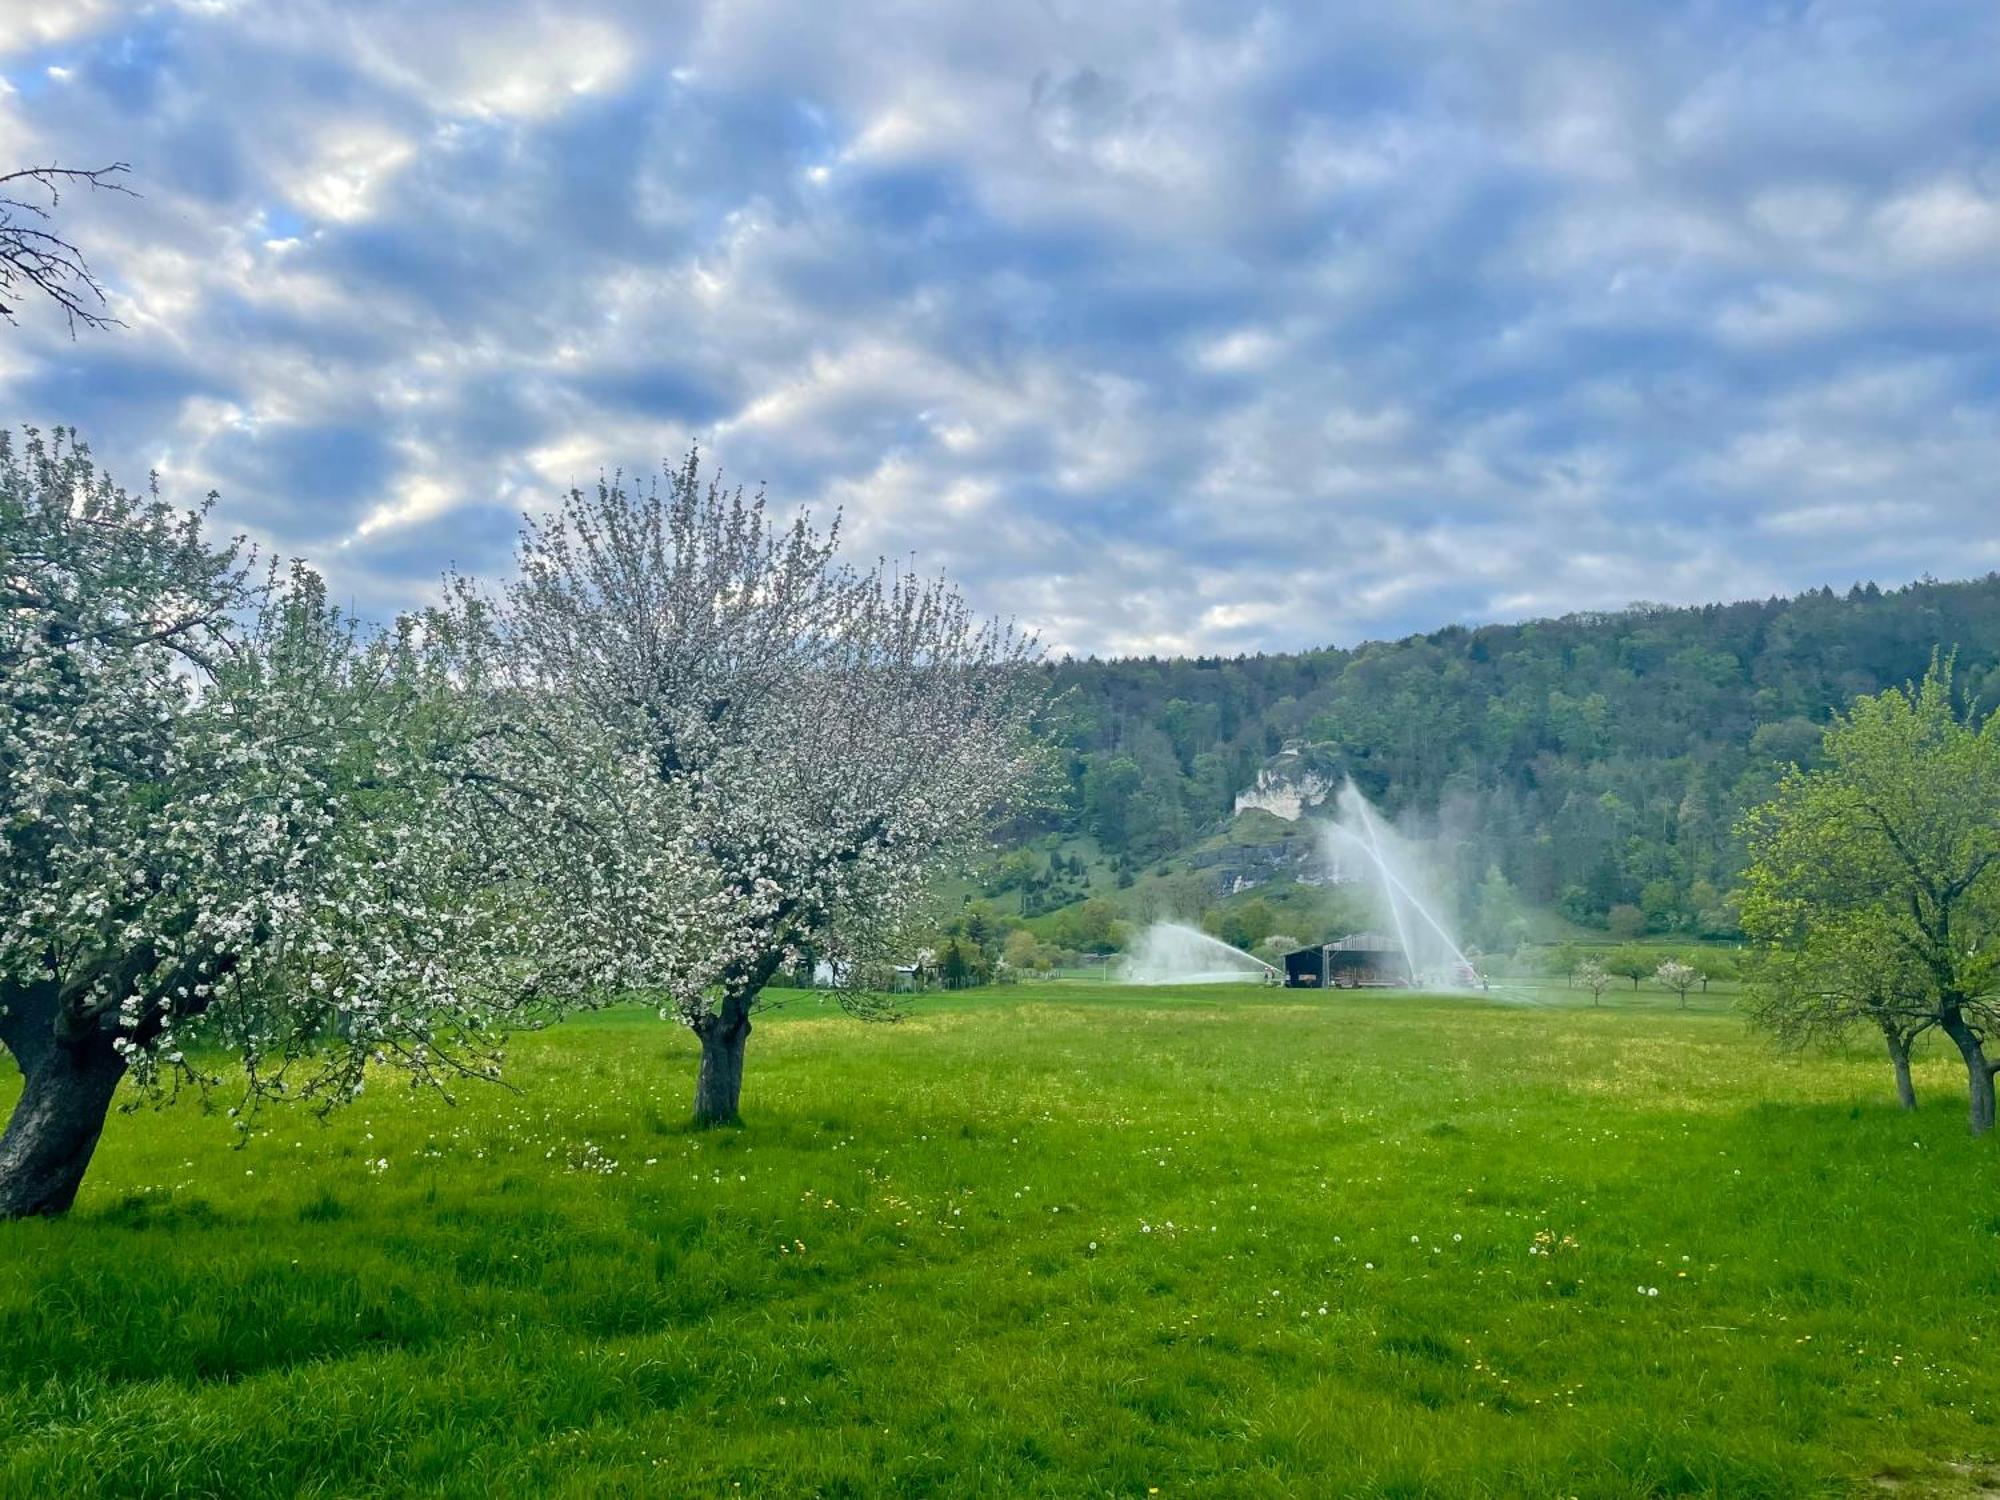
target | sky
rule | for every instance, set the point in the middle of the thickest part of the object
(1174, 327)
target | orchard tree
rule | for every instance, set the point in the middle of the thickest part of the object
(1843, 972)
(1631, 963)
(1679, 977)
(1590, 974)
(233, 824)
(1886, 857)
(838, 734)
(1716, 967)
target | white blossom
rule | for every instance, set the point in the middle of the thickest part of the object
(831, 735)
(233, 821)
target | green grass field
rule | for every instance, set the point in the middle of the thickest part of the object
(1068, 1241)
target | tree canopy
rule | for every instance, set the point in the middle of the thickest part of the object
(1873, 889)
(833, 736)
(232, 821)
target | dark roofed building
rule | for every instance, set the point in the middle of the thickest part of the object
(1360, 958)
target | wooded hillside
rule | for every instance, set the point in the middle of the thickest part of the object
(1596, 762)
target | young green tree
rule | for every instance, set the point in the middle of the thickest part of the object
(1716, 966)
(1631, 963)
(1836, 976)
(1887, 855)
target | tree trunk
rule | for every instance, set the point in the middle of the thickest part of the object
(66, 1091)
(1899, 1059)
(718, 1086)
(1978, 1072)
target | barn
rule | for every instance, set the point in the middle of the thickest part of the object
(1360, 958)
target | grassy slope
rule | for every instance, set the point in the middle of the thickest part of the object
(886, 1284)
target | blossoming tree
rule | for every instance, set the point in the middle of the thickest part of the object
(1672, 974)
(234, 825)
(837, 733)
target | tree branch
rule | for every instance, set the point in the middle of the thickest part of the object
(39, 262)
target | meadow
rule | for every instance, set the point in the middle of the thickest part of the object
(1067, 1240)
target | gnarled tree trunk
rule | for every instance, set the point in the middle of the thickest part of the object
(718, 1087)
(1978, 1071)
(1899, 1059)
(66, 1091)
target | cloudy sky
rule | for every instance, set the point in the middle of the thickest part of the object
(1169, 327)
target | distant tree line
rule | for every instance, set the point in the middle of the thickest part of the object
(1596, 764)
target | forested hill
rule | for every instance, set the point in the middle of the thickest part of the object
(1596, 761)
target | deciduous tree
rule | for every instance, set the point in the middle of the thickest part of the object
(234, 824)
(1590, 974)
(1679, 977)
(1874, 881)
(837, 733)
(1836, 974)
(1023, 953)
(1631, 963)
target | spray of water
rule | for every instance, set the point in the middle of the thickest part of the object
(1394, 869)
(1174, 953)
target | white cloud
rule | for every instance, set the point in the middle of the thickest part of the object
(46, 21)
(419, 497)
(1845, 516)
(351, 165)
(1941, 221)
(1163, 328)
(517, 63)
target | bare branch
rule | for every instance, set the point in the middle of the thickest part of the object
(37, 261)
